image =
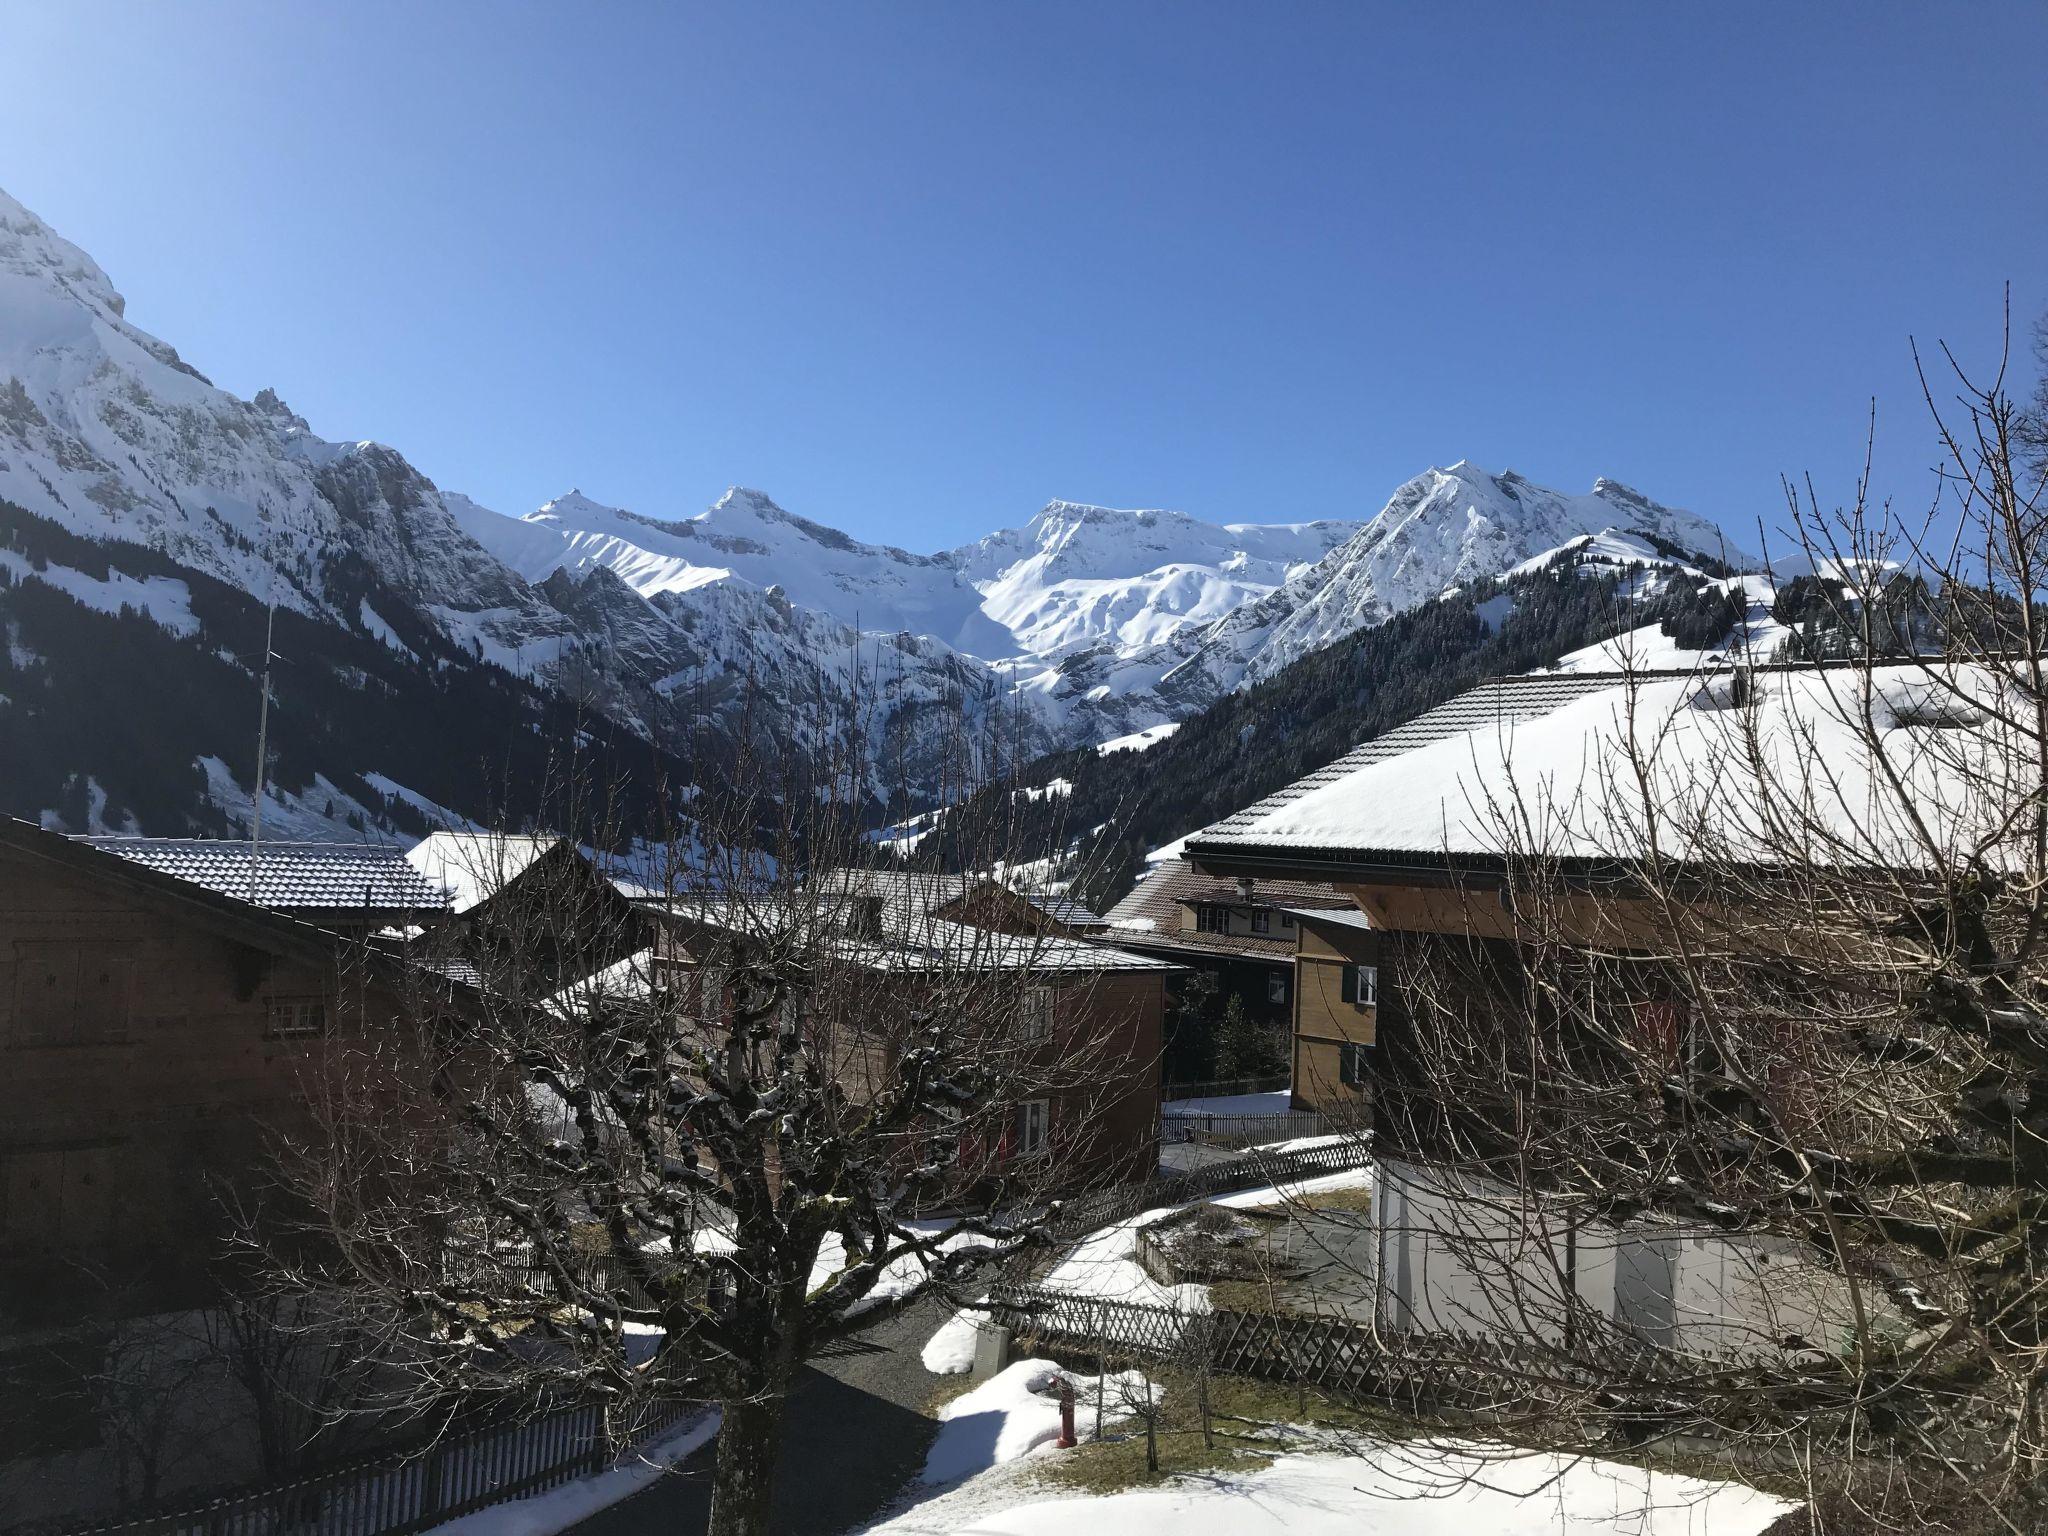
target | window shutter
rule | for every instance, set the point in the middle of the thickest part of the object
(1350, 984)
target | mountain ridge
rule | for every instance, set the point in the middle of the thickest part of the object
(1082, 624)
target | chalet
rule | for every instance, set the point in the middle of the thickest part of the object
(895, 933)
(1395, 879)
(1244, 932)
(1425, 831)
(155, 1032)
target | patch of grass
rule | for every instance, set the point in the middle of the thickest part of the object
(949, 1387)
(1358, 1199)
(1246, 1296)
(1243, 1416)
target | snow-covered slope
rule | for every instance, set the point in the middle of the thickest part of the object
(746, 537)
(106, 431)
(1077, 576)
(1072, 577)
(1444, 529)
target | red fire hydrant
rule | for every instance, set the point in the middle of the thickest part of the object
(1066, 1441)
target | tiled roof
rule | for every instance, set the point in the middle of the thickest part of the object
(1151, 914)
(1064, 909)
(1499, 700)
(290, 876)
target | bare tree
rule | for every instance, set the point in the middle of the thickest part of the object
(757, 1103)
(1726, 1086)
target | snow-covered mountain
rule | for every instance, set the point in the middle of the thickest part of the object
(1082, 625)
(1072, 577)
(1443, 530)
(1078, 576)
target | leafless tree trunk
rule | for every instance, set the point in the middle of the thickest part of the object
(698, 1110)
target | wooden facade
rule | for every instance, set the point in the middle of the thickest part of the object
(153, 1037)
(1337, 991)
(1105, 1130)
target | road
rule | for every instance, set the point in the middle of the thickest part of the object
(855, 1436)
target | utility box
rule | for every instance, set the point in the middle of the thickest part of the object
(991, 1350)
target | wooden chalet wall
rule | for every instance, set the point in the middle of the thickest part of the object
(141, 1068)
(1326, 1021)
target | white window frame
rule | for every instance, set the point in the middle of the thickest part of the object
(1276, 987)
(1034, 1128)
(1262, 920)
(1368, 983)
(294, 1018)
(1034, 1018)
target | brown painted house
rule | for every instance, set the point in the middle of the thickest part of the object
(902, 930)
(153, 1034)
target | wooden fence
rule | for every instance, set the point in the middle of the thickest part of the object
(1471, 1374)
(395, 1495)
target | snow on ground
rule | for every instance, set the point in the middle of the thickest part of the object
(1444, 1488)
(1495, 610)
(950, 1351)
(1137, 741)
(164, 599)
(557, 1509)
(1301, 1189)
(1012, 1414)
(1755, 638)
(1231, 1104)
(1104, 1264)
(374, 622)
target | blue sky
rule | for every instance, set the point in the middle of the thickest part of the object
(916, 268)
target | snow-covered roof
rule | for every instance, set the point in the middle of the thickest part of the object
(1150, 914)
(290, 876)
(471, 866)
(1564, 747)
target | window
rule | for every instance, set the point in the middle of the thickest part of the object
(290, 1018)
(1362, 985)
(1286, 921)
(1262, 920)
(1351, 1065)
(1034, 1019)
(1276, 988)
(1032, 1121)
(1209, 919)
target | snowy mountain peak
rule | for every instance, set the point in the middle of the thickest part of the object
(30, 248)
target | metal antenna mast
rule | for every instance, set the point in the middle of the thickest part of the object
(262, 746)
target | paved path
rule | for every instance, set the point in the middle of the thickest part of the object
(855, 1436)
